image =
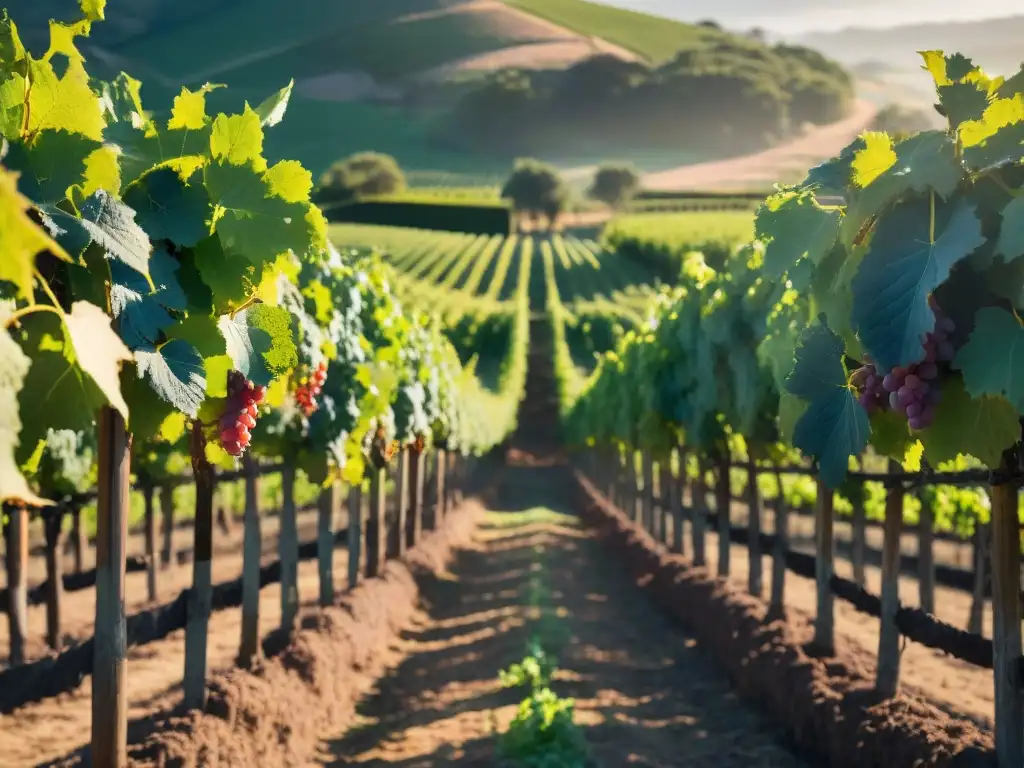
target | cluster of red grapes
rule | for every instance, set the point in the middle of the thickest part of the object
(912, 390)
(308, 391)
(239, 415)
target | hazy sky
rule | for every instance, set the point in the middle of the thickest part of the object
(794, 17)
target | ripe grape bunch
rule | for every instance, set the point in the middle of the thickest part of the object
(912, 390)
(309, 390)
(240, 413)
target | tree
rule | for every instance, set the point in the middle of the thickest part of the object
(900, 120)
(614, 185)
(535, 188)
(361, 175)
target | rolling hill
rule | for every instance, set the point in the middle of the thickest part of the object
(369, 74)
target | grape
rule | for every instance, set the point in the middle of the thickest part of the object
(911, 381)
(229, 435)
(240, 413)
(927, 371)
(916, 423)
(894, 400)
(889, 383)
(904, 396)
(246, 420)
(913, 410)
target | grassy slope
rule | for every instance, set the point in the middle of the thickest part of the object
(655, 38)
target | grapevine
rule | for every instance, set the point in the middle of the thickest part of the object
(241, 409)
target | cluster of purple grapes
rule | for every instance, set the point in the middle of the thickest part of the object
(912, 390)
(240, 412)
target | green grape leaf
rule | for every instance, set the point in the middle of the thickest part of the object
(149, 411)
(255, 222)
(996, 138)
(873, 159)
(176, 373)
(63, 104)
(271, 110)
(989, 360)
(168, 208)
(13, 486)
(259, 341)
(1011, 235)
(795, 226)
(890, 434)
(189, 110)
(21, 239)
(102, 171)
(237, 139)
(982, 427)
(230, 277)
(107, 223)
(142, 315)
(51, 163)
(98, 350)
(833, 177)
(289, 181)
(93, 9)
(911, 254)
(834, 426)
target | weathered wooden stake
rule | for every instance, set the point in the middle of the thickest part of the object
(200, 599)
(678, 500)
(824, 620)
(378, 508)
(859, 526)
(781, 549)
(1006, 614)
(647, 499)
(167, 518)
(288, 546)
(700, 516)
(415, 520)
(150, 535)
(402, 503)
(355, 532)
(926, 556)
(17, 581)
(78, 539)
(109, 682)
(325, 544)
(980, 541)
(441, 492)
(53, 523)
(249, 648)
(888, 674)
(723, 502)
(754, 527)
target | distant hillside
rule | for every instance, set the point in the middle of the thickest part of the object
(993, 43)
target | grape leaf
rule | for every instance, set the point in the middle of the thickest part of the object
(910, 255)
(102, 171)
(991, 361)
(794, 226)
(237, 139)
(875, 158)
(832, 178)
(189, 110)
(834, 426)
(256, 223)
(93, 9)
(271, 110)
(890, 435)
(12, 375)
(176, 373)
(996, 138)
(982, 427)
(64, 104)
(1011, 235)
(51, 163)
(108, 223)
(20, 238)
(149, 411)
(168, 208)
(142, 315)
(259, 341)
(229, 276)
(289, 181)
(98, 350)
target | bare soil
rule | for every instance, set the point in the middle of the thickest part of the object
(645, 693)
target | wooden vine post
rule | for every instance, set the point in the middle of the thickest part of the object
(859, 540)
(635, 499)
(200, 598)
(150, 534)
(824, 620)
(414, 523)
(723, 499)
(781, 548)
(78, 538)
(677, 498)
(355, 532)
(288, 546)
(612, 476)
(668, 490)
(378, 508)
(753, 526)
(441, 493)
(401, 504)
(647, 500)
(1006, 612)
(53, 524)
(17, 581)
(249, 648)
(325, 544)
(109, 683)
(167, 515)
(888, 674)
(926, 556)
(698, 505)
(979, 549)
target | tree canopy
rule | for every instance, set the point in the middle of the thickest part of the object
(361, 175)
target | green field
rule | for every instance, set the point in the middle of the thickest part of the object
(654, 38)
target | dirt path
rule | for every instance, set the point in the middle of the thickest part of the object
(646, 695)
(785, 161)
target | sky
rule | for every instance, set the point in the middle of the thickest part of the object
(796, 17)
